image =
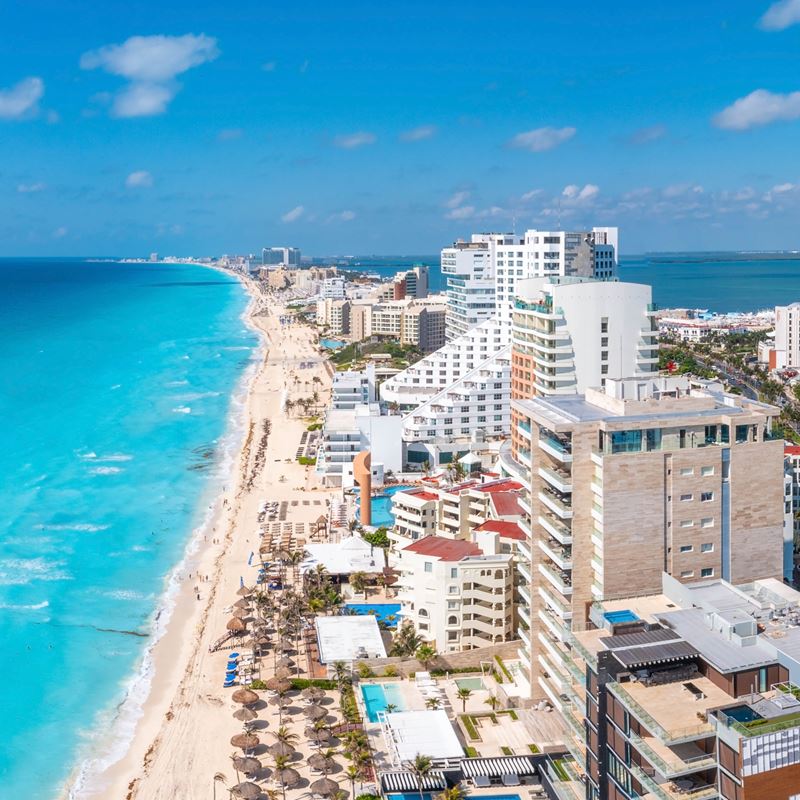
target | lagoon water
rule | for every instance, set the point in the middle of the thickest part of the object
(116, 385)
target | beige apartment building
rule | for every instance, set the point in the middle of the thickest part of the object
(335, 315)
(414, 322)
(641, 477)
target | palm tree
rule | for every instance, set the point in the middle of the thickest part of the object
(425, 654)
(353, 773)
(390, 707)
(341, 674)
(289, 405)
(464, 694)
(358, 580)
(421, 766)
(492, 702)
(433, 703)
(285, 736)
(281, 762)
(453, 793)
(219, 777)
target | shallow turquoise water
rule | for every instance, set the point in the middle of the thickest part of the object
(115, 396)
(377, 696)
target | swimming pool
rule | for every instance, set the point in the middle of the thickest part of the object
(473, 684)
(742, 713)
(615, 617)
(331, 344)
(382, 506)
(378, 696)
(382, 611)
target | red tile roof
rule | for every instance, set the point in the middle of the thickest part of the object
(507, 530)
(506, 504)
(791, 449)
(503, 485)
(422, 494)
(444, 549)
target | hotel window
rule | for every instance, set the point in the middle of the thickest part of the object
(707, 522)
(453, 572)
(452, 590)
(686, 497)
(428, 568)
(687, 573)
(604, 355)
(707, 547)
(707, 572)
(687, 523)
(706, 497)
(452, 603)
(687, 548)
(706, 471)
(687, 471)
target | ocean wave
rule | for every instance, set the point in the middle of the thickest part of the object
(82, 527)
(22, 607)
(116, 386)
(172, 384)
(105, 470)
(238, 347)
(22, 571)
(92, 456)
(182, 410)
(124, 594)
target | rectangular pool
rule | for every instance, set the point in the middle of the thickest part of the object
(387, 613)
(379, 696)
(620, 616)
(473, 684)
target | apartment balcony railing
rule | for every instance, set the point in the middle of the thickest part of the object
(558, 504)
(556, 529)
(669, 791)
(559, 606)
(560, 480)
(560, 580)
(524, 569)
(561, 451)
(555, 625)
(676, 766)
(562, 556)
(667, 735)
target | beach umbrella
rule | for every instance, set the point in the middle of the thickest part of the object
(280, 749)
(245, 591)
(246, 764)
(284, 662)
(246, 790)
(242, 603)
(318, 737)
(285, 646)
(282, 673)
(236, 625)
(313, 693)
(325, 787)
(277, 684)
(245, 715)
(244, 696)
(247, 741)
(321, 763)
(262, 641)
(241, 613)
(281, 701)
(287, 777)
(315, 712)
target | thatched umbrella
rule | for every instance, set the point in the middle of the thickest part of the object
(236, 625)
(280, 749)
(318, 734)
(241, 613)
(246, 764)
(277, 684)
(282, 673)
(247, 741)
(245, 591)
(285, 646)
(287, 776)
(242, 603)
(315, 712)
(280, 700)
(321, 763)
(246, 790)
(245, 714)
(284, 662)
(244, 696)
(325, 787)
(313, 693)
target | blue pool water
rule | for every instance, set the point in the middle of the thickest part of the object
(115, 395)
(742, 713)
(382, 507)
(620, 616)
(331, 344)
(380, 610)
(379, 695)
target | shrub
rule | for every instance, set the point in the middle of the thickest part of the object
(503, 667)
(506, 751)
(471, 752)
(533, 748)
(258, 684)
(469, 726)
(349, 705)
(390, 671)
(364, 670)
(304, 683)
(307, 461)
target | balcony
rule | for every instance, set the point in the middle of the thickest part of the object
(562, 556)
(558, 504)
(673, 791)
(556, 626)
(560, 479)
(556, 529)
(561, 608)
(524, 569)
(524, 428)
(558, 449)
(524, 552)
(682, 759)
(559, 579)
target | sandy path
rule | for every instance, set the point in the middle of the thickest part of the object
(182, 739)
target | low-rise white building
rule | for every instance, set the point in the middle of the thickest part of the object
(353, 387)
(456, 596)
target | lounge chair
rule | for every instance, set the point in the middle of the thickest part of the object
(510, 779)
(482, 781)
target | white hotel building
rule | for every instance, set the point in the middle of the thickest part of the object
(462, 391)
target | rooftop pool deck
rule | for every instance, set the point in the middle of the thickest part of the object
(387, 613)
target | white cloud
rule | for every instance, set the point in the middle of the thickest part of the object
(760, 107)
(343, 216)
(141, 179)
(293, 215)
(541, 139)
(463, 212)
(418, 134)
(30, 188)
(678, 189)
(456, 199)
(22, 99)
(781, 15)
(782, 188)
(650, 134)
(352, 140)
(531, 195)
(60, 233)
(151, 64)
(576, 194)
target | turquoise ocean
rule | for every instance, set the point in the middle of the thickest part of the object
(120, 388)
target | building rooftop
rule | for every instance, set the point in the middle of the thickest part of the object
(506, 504)
(348, 638)
(343, 558)
(443, 549)
(409, 733)
(420, 494)
(507, 530)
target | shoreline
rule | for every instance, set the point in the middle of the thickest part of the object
(173, 611)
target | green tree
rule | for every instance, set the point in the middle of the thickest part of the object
(358, 581)
(464, 694)
(426, 655)
(421, 766)
(433, 703)
(492, 702)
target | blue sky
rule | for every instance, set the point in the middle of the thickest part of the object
(352, 127)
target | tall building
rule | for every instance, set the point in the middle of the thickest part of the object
(333, 288)
(630, 480)
(280, 256)
(787, 337)
(686, 694)
(469, 269)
